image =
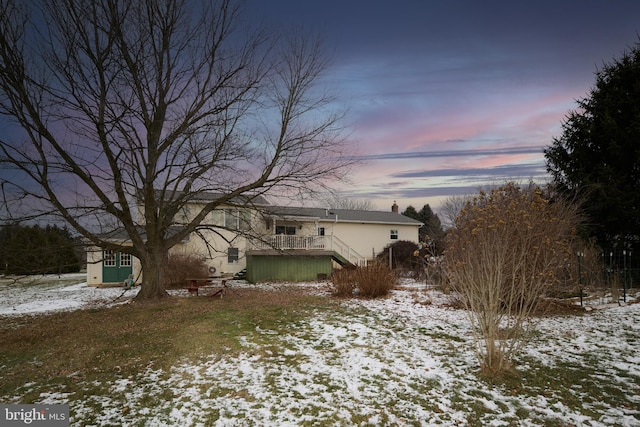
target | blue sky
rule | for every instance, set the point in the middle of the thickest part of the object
(447, 96)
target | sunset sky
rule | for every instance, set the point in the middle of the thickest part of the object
(447, 96)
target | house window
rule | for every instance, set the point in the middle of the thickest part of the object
(320, 231)
(217, 217)
(233, 255)
(231, 219)
(109, 258)
(125, 260)
(234, 219)
(394, 235)
(289, 230)
(244, 219)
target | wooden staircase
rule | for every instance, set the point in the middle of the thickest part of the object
(345, 263)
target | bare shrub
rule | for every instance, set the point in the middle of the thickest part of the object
(375, 280)
(181, 267)
(583, 273)
(436, 274)
(343, 282)
(403, 261)
(432, 265)
(371, 281)
(505, 251)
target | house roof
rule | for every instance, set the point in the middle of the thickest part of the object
(242, 200)
(340, 215)
(120, 234)
(207, 196)
(314, 214)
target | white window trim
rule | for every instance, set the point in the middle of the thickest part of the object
(125, 260)
(237, 256)
(109, 258)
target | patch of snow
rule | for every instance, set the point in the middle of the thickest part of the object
(377, 363)
(39, 299)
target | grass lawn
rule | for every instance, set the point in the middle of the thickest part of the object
(62, 348)
(293, 357)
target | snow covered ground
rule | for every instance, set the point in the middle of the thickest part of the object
(404, 360)
(44, 294)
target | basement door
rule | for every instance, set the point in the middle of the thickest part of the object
(116, 266)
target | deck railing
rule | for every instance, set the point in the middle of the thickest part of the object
(328, 243)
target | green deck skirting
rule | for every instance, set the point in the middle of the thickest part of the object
(292, 266)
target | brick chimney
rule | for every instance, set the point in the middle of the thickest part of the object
(394, 207)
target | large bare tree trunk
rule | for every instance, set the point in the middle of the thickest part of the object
(128, 111)
(153, 286)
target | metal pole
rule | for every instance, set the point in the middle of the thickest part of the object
(624, 283)
(580, 254)
(610, 275)
(631, 272)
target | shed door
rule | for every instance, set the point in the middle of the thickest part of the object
(116, 266)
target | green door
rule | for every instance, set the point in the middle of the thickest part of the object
(116, 266)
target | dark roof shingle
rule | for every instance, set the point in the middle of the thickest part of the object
(341, 215)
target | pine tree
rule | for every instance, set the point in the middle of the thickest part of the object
(598, 155)
(36, 250)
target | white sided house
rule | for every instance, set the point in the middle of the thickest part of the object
(273, 242)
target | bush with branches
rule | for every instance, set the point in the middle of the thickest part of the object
(403, 261)
(506, 250)
(432, 266)
(181, 267)
(375, 280)
(371, 281)
(343, 283)
(584, 274)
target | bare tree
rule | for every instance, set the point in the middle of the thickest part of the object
(338, 200)
(451, 207)
(128, 110)
(507, 248)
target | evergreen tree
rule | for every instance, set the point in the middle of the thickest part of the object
(36, 250)
(411, 212)
(432, 225)
(598, 154)
(431, 232)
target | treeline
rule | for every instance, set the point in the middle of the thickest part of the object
(33, 249)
